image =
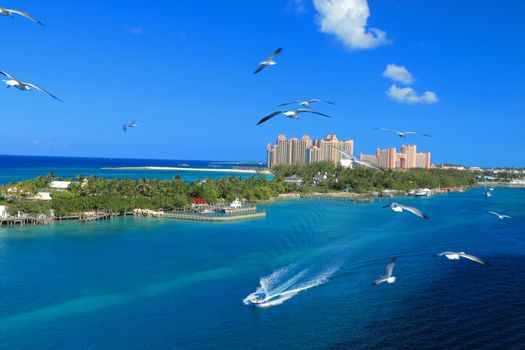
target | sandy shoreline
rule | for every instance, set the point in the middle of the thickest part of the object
(263, 171)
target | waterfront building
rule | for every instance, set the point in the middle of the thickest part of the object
(408, 158)
(305, 150)
(3, 212)
(59, 185)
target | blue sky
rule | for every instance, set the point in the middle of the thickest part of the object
(185, 68)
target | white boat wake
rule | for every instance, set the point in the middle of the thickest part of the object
(287, 282)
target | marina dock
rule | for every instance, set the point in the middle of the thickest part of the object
(341, 197)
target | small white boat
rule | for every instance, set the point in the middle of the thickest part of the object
(425, 192)
(488, 194)
(255, 298)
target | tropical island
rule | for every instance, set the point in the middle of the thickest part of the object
(124, 196)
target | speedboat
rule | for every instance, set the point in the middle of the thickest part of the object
(255, 298)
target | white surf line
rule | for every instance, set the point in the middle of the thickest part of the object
(263, 171)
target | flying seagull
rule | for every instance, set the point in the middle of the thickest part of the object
(357, 161)
(133, 124)
(10, 13)
(398, 208)
(402, 134)
(387, 277)
(306, 103)
(290, 114)
(20, 85)
(269, 61)
(501, 216)
(458, 255)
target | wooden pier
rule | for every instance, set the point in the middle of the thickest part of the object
(341, 197)
(26, 220)
(213, 218)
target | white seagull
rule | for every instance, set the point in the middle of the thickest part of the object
(357, 161)
(458, 255)
(402, 134)
(20, 85)
(10, 13)
(307, 103)
(133, 124)
(501, 216)
(293, 114)
(398, 208)
(269, 61)
(387, 277)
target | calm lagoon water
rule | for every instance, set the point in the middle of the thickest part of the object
(139, 283)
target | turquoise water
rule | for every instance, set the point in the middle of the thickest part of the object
(140, 283)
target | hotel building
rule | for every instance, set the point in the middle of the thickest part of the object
(305, 150)
(408, 158)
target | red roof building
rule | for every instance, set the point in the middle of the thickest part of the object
(198, 200)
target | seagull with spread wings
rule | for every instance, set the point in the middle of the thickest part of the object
(133, 124)
(399, 208)
(10, 13)
(501, 216)
(24, 86)
(387, 277)
(269, 61)
(402, 134)
(357, 161)
(307, 103)
(293, 114)
(458, 255)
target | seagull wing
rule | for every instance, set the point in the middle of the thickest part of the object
(26, 15)
(389, 205)
(268, 117)
(261, 67)
(387, 129)
(445, 253)
(309, 111)
(275, 53)
(506, 216)
(416, 133)
(368, 164)
(473, 258)
(7, 75)
(378, 281)
(494, 213)
(390, 268)
(344, 153)
(42, 90)
(289, 103)
(415, 211)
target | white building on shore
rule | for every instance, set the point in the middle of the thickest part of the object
(3, 212)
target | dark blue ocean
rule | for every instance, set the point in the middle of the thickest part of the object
(18, 168)
(140, 283)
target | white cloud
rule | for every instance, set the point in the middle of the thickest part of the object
(398, 73)
(410, 96)
(347, 20)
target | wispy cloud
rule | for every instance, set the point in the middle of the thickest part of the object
(410, 96)
(398, 73)
(347, 19)
(296, 6)
(134, 30)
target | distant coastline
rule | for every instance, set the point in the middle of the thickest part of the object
(242, 171)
